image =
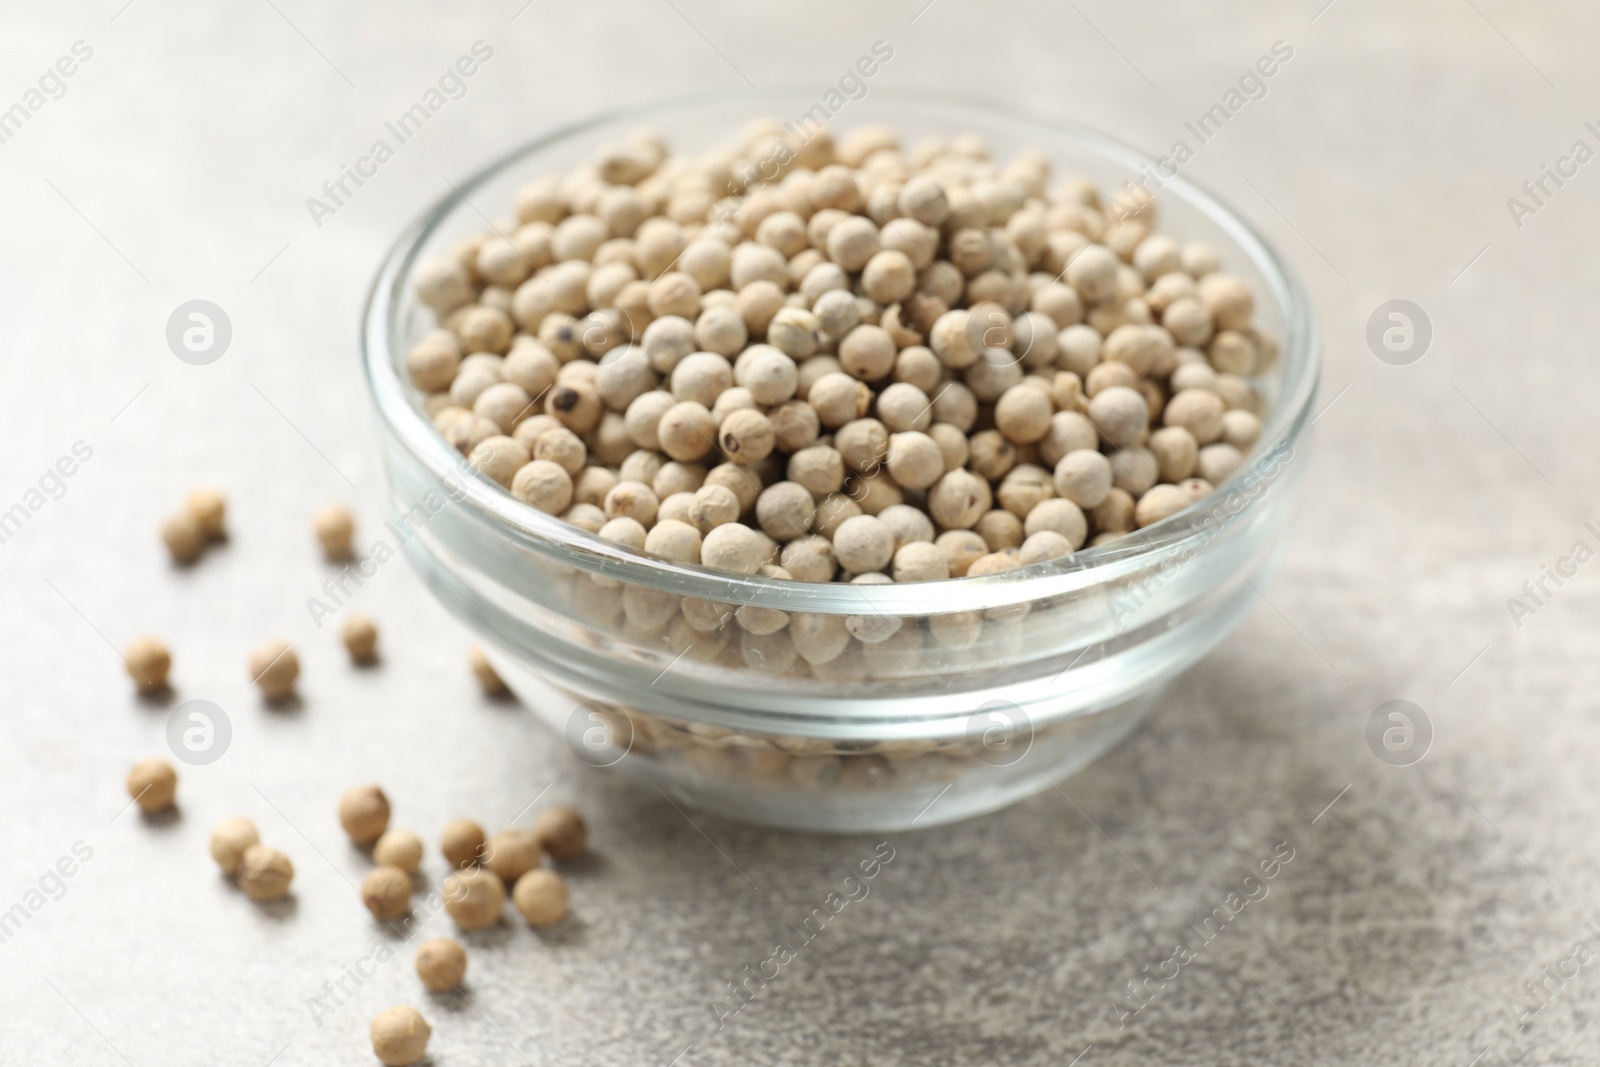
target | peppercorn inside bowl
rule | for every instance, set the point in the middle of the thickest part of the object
(846, 476)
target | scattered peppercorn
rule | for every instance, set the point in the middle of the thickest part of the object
(153, 784)
(361, 639)
(274, 668)
(364, 813)
(386, 891)
(399, 848)
(400, 1036)
(474, 898)
(562, 832)
(441, 964)
(335, 527)
(462, 841)
(541, 896)
(148, 663)
(229, 841)
(264, 873)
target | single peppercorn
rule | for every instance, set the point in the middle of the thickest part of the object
(360, 636)
(441, 964)
(364, 813)
(386, 891)
(264, 873)
(153, 785)
(148, 663)
(229, 840)
(561, 832)
(274, 667)
(474, 898)
(398, 848)
(541, 896)
(335, 528)
(400, 1036)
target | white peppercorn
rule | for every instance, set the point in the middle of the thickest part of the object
(229, 840)
(1197, 410)
(264, 873)
(1241, 429)
(867, 353)
(907, 523)
(785, 510)
(441, 964)
(713, 505)
(499, 459)
(819, 468)
(1176, 452)
(386, 891)
(274, 668)
(920, 561)
(687, 431)
(676, 541)
(1042, 545)
(1023, 488)
(744, 482)
(1083, 476)
(1134, 469)
(960, 548)
(675, 477)
(915, 460)
(473, 897)
(1217, 462)
(1058, 515)
(632, 500)
(544, 485)
(838, 398)
(863, 543)
(153, 785)
(1023, 414)
(1000, 530)
(1160, 502)
(746, 437)
(990, 454)
(958, 499)
(1120, 414)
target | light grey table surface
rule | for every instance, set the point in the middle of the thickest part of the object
(177, 165)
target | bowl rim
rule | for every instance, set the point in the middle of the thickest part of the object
(381, 334)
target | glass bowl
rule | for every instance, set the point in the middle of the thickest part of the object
(916, 704)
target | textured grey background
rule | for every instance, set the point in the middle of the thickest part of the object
(177, 166)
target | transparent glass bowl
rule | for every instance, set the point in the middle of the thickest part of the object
(948, 698)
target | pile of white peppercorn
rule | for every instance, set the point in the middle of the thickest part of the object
(909, 364)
